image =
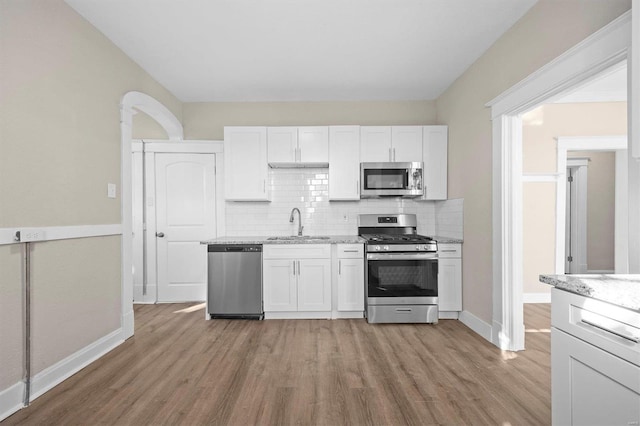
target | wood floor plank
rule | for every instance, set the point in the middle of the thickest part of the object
(179, 369)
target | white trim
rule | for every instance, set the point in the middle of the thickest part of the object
(298, 315)
(173, 128)
(600, 271)
(536, 298)
(477, 325)
(186, 147)
(449, 315)
(621, 220)
(51, 233)
(603, 49)
(62, 370)
(11, 400)
(596, 53)
(540, 177)
(592, 143)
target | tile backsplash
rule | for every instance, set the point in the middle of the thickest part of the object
(308, 190)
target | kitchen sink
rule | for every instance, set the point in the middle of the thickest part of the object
(298, 238)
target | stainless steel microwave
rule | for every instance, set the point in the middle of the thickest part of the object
(391, 180)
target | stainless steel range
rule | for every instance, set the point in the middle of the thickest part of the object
(401, 271)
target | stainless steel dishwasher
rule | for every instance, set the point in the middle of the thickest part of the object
(234, 286)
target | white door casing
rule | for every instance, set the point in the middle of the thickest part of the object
(185, 215)
(576, 217)
(619, 144)
(130, 102)
(603, 49)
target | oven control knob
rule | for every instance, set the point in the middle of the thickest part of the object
(377, 248)
(386, 248)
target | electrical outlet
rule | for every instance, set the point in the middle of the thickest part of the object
(31, 235)
(111, 190)
(345, 218)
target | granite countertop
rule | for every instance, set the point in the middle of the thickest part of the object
(332, 239)
(618, 289)
(446, 240)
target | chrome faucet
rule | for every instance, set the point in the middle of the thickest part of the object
(295, 209)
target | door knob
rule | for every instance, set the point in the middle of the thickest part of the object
(160, 234)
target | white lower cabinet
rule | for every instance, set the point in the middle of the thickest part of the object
(449, 280)
(595, 371)
(350, 278)
(297, 278)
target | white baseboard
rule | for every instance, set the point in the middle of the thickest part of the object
(536, 298)
(477, 325)
(448, 315)
(127, 325)
(62, 370)
(297, 315)
(11, 400)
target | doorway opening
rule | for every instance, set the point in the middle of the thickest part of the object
(606, 48)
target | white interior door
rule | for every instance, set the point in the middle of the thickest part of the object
(185, 215)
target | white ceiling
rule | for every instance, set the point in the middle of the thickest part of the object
(311, 50)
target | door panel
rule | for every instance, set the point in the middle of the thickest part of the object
(280, 293)
(185, 215)
(314, 285)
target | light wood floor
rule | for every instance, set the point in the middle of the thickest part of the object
(181, 369)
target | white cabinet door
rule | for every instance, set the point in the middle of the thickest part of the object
(185, 215)
(314, 285)
(279, 285)
(591, 386)
(313, 144)
(344, 163)
(375, 144)
(282, 144)
(435, 162)
(350, 284)
(245, 164)
(449, 284)
(406, 143)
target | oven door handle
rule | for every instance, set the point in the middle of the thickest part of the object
(402, 256)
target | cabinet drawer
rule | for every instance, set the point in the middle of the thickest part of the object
(449, 250)
(350, 251)
(609, 327)
(296, 251)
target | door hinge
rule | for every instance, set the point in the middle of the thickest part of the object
(570, 258)
(570, 178)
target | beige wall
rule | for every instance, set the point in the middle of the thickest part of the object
(207, 120)
(546, 31)
(61, 86)
(539, 146)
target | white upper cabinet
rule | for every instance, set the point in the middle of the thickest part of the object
(406, 143)
(435, 162)
(375, 144)
(245, 164)
(313, 144)
(344, 163)
(380, 144)
(282, 144)
(291, 146)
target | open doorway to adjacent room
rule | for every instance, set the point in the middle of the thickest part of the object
(574, 190)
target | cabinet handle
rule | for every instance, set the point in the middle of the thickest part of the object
(298, 268)
(448, 251)
(390, 157)
(339, 267)
(633, 339)
(294, 267)
(350, 251)
(357, 187)
(264, 186)
(394, 154)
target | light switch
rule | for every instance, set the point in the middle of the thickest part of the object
(111, 190)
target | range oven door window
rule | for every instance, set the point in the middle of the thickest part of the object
(401, 276)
